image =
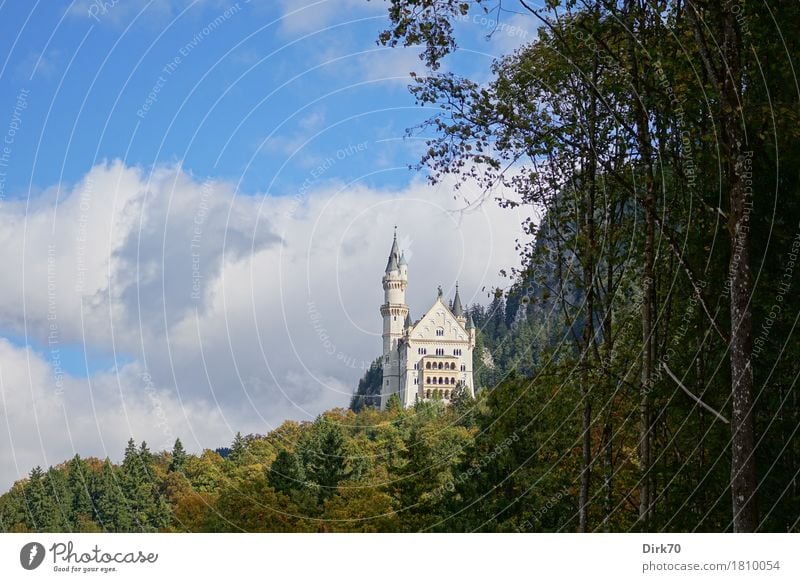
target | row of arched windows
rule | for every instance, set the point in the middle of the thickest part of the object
(440, 380)
(442, 393)
(440, 366)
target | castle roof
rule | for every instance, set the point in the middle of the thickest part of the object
(457, 309)
(394, 255)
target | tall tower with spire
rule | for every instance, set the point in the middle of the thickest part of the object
(395, 312)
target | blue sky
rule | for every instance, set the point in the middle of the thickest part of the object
(184, 184)
(235, 88)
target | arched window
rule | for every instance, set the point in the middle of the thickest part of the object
(439, 331)
(427, 393)
(447, 394)
(440, 365)
(441, 380)
(427, 365)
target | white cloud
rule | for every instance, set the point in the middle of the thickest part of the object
(304, 16)
(283, 319)
(122, 12)
(44, 422)
(391, 65)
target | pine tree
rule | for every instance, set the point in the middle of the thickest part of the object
(393, 404)
(61, 500)
(111, 506)
(178, 462)
(286, 473)
(40, 506)
(325, 456)
(78, 483)
(462, 405)
(139, 487)
(238, 449)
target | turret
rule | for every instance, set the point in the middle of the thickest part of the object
(458, 309)
(403, 265)
(395, 312)
(471, 331)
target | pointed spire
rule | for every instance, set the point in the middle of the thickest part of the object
(394, 254)
(470, 323)
(408, 320)
(403, 262)
(457, 309)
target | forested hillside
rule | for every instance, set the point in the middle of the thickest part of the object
(659, 142)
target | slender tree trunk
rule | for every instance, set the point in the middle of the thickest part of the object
(743, 469)
(723, 68)
(588, 324)
(644, 140)
(608, 472)
(645, 489)
(588, 338)
(608, 344)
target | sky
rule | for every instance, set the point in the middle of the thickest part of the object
(197, 199)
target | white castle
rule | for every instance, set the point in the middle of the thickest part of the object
(429, 358)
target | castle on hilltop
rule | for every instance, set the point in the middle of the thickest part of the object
(429, 358)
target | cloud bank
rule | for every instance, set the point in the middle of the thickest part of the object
(219, 311)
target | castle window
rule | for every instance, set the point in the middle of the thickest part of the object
(447, 394)
(441, 380)
(457, 352)
(427, 393)
(415, 380)
(463, 367)
(439, 331)
(427, 365)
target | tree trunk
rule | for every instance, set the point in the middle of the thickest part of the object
(743, 469)
(724, 70)
(644, 140)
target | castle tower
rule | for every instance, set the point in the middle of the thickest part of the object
(458, 309)
(394, 311)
